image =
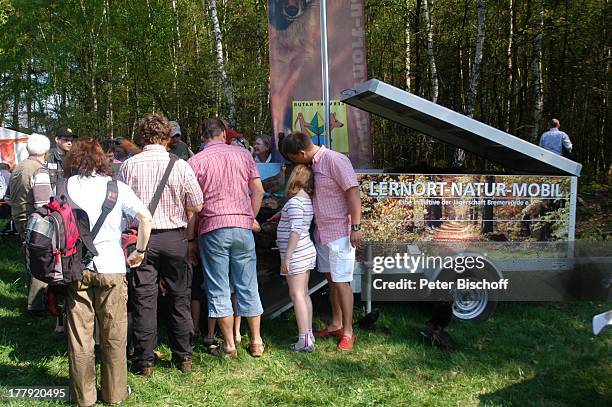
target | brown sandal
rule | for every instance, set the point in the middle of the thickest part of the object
(220, 350)
(256, 349)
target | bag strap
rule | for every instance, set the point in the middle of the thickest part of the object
(162, 184)
(112, 191)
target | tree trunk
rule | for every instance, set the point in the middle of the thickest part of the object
(28, 95)
(109, 65)
(417, 52)
(538, 92)
(229, 92)
(510, 67)
(459, 154)
(93, 67)
(487, 212)
(433, 71)
(176, 50)
(407, 48)
(262, 80)
(16, 100)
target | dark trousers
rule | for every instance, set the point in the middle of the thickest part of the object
(166, 259)
(441, 314)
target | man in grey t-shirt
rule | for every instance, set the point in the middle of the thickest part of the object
(176, 146)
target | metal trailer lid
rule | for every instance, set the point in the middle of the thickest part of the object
(454, 128)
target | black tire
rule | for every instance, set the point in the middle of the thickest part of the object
(476, 304)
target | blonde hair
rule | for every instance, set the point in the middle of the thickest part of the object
(301, 178)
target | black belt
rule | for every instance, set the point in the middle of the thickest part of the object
(158, 231)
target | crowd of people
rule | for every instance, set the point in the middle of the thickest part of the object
(195, 216)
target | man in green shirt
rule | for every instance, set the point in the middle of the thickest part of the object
(176, 146)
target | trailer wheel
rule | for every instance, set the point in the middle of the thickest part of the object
(474, 304)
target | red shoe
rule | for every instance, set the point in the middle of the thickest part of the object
(346, 342)
(325, 332)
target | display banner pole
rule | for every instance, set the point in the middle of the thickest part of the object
(325, 71)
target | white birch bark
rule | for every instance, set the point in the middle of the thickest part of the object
(407, 39)
(433, 71)
(459, 154)
(227, 85)
(509, 67)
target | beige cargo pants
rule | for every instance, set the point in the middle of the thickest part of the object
(104, 296)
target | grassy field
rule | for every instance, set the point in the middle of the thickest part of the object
(526, 354)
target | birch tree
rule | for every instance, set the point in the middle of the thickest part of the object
(407, 38)
(433, 70)
(510, 55)
(229, 92)
(459, 154)
(176, 51)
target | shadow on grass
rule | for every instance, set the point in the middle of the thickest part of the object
(546, 348)
(546, 389)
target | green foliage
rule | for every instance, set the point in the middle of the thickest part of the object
(98, 65)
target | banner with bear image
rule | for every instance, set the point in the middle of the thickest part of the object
(295, 71)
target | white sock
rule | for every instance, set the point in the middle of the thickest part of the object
(303, 341)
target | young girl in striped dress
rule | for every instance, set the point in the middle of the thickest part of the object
(298, 254)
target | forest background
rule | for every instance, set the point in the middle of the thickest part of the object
(97, 66)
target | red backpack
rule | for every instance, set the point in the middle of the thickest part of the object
(58, 239)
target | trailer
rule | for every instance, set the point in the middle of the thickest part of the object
(521, 223)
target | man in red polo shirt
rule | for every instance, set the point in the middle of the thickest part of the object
(337, 214)
(232, 193)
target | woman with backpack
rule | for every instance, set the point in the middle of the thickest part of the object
(102, 292)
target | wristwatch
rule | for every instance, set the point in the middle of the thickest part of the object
(141, 251)
(356, 227)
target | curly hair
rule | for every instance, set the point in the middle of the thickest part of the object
(153, 128)
(86, 158)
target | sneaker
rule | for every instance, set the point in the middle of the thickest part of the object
(346, 342)
(310, 348)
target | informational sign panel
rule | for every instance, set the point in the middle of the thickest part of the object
(438, 208)
(295, 72)
(308, 118)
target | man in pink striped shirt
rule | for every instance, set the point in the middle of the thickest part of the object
(227, 174)
(337, 212)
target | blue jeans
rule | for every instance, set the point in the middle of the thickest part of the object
(232, 249)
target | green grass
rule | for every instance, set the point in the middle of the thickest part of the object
(526, 354)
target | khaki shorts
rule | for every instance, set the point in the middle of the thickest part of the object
(337, 258)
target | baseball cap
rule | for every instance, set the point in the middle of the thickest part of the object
(65, 132)
(174, 128)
